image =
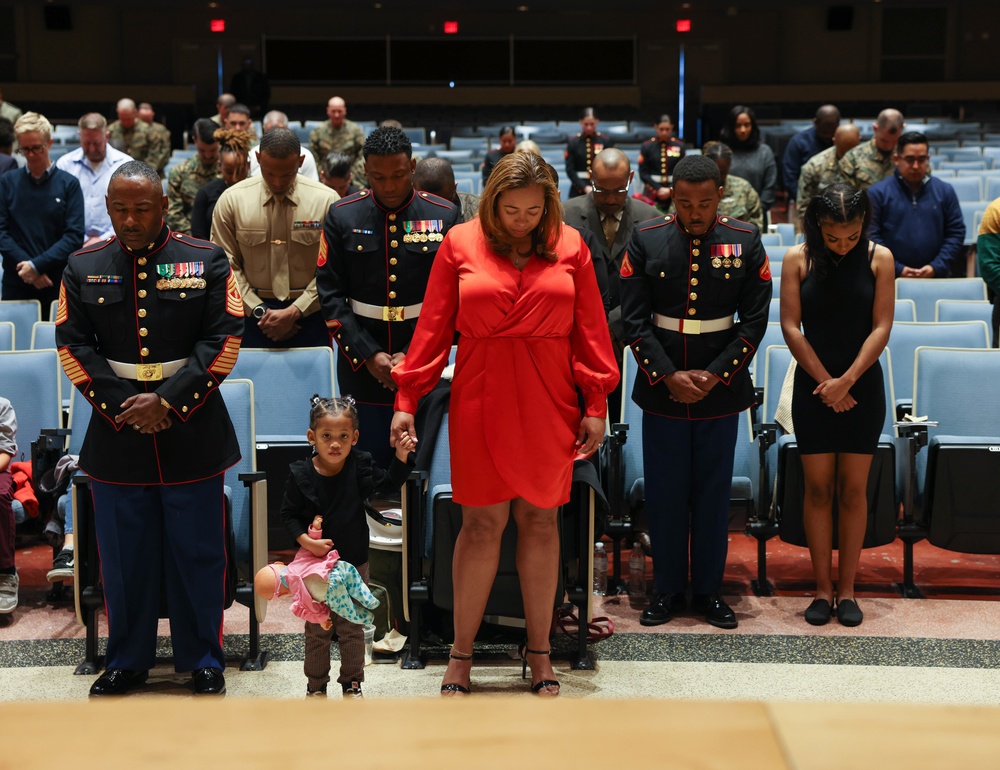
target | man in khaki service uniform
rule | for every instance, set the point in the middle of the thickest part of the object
(193, 174)
(159, 139)
(823, 169)
(872, 162)
(222, 105)
(340, 135)
(270, 226)
(128, 134)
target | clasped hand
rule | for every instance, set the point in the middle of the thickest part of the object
(145, 413)
(280, 323)
(690, 387)
(380, 367)
(28, 274)
(834, 392)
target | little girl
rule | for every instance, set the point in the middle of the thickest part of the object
(334, 484)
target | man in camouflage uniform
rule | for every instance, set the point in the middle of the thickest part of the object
(189, 177)
(127, 134)
(823, 169)
(159, 139)
(222, 105)
(340, 135)
(871, 162)
(739, 199)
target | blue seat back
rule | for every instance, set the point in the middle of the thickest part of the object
(905, 310)
(43, 335)
(438, 482)
(777, 359)
(968, 188)
(770, 239)
(969, 211)
(7, 334)
(925, 293)
(772, 336)
(79, 418)
(964, 310)
(238, 395)
(631, 414)
(787, 232)
(775, 254)
(907, 337)
(29, 379)
(24, 313)
(284, 381)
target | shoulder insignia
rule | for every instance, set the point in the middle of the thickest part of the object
(226, 360)
(96, 246)
(234, 300)
(437, 201)
(765, 270)
(323, 248)
(627, 270)
(73, 368)
(360, 195)
(668, 218)
(61, 311)
(735, 224)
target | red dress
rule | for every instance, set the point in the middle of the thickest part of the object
(527, 340)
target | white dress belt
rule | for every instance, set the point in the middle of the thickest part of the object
(148, 372)
(692, 325)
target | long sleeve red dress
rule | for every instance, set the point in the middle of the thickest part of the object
(527, 340)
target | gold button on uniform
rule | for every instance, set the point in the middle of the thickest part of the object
(693, 295)
(392, 228)
(354, 360)
(208, 384)
(392, 295)
(724, 220)
(141, 261)
(184, 408)
(360, 247)
(144, 352)
(654, 374)
(142, 293)
(424, 248)
(347, 348)
(694, 281)
(725, 374)
(91, 394)
(142, 276)
(692, 311)
(183, 295)
(696, 242)
(142, 312)
(104, 406)
(735, 362)
(663, 275)
(695, 268)
(727, 276)
(645, 360)
(392, 217)
(100, 300)
(392, 278)
(143, 332)
(393, 260)
(394, 243)
(744, 350)
(696, 252)
(196, 396)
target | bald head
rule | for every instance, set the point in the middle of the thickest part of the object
(275, 119)
(436, 176)
(846, 137)
(126, 112)
(610, 175)
(826, 121)
(611, 160)
(336, 111)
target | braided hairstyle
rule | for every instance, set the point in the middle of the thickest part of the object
(236, 142)
(332, 407)
(838, 204)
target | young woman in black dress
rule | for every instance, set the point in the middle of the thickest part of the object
(839, 287)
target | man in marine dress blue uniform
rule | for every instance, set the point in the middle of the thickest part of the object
(374, 261)
(683, 278)
(148, 325)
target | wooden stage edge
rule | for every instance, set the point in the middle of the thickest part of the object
(501, 732)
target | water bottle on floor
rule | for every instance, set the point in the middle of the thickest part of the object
(637, 573)
(600, 570)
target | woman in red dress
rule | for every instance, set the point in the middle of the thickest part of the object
(520, 289)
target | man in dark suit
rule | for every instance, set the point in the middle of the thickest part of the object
(610, 214)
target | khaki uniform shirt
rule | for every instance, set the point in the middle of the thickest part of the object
(348, 139)
(865, 165)
(182, 186)
(10, 111)
(159, 147)
(134, 141)
(818, 173)
(272, 242)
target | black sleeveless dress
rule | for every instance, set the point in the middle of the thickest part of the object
(836, 320)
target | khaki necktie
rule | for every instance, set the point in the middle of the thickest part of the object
(610, 229)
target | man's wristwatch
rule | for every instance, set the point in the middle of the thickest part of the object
(258, 312)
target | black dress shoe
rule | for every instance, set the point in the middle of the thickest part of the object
(662, 609)
(117, 681)
(208, 681)
(849, 613)
(717, 612)
(819, 612)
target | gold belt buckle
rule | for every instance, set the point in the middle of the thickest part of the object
(148, 372)
(691, 327)
(392, 313)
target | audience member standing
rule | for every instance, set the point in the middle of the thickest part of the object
(335, 172)
(41, 218)
(657, 158)
(93, 163)
(238, 119)
(806, 144)
(581, 151)
(129, 134)
(436, 176)
(836, 314)
(739, 199)
(752, 160)
(233, 149)
(917, 216)
(823, 170)
(270, 226)
(222, 105)
(377, 253)
(8, 110)
(8, 161)
(508, 141)
(339, 134)
(871, 162)
(159, 138)
(193, 174)
(683, 279)
(276, 119)
(988, 255)
(251, 88)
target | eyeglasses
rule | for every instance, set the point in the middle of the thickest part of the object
(912, 160)
(598, 191)
(35, 149)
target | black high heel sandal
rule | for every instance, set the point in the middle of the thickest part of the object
(541, 685)
(457, 689)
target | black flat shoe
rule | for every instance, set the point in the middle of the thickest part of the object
(819, 612)
(717, 612)
(208, 681)
(849, 613)
(662, 609)
(117, 681)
